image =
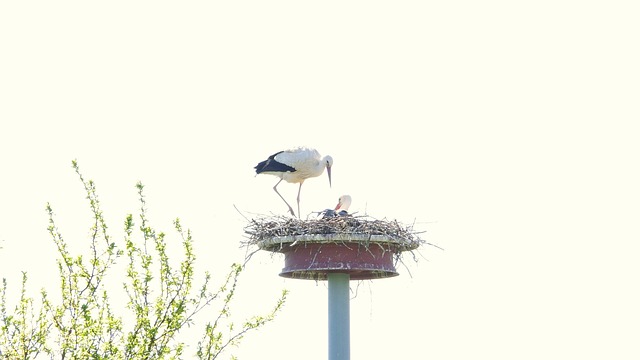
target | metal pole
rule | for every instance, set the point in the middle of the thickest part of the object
(338, 316)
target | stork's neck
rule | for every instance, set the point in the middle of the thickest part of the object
(318, 169)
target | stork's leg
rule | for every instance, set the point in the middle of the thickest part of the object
(298, 198)
(285, 201)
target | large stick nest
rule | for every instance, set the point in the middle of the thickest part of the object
(265, 229)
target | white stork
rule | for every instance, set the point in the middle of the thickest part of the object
(295, 166)
(344, 202)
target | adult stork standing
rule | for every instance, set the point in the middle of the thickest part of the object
(295, 166)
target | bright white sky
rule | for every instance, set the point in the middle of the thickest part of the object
(506, 132)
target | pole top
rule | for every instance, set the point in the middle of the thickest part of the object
(313, 257)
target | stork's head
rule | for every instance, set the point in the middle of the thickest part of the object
(344, 202)
(328, 163)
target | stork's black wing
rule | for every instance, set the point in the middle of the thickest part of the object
(271, 164)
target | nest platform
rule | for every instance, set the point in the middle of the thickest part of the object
(362, 248)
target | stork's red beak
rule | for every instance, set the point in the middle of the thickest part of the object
(337, 206)
(329, 173)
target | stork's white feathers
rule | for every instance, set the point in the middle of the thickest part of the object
(344, 202)
(307, 161)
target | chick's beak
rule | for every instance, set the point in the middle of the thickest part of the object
(329, 173)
